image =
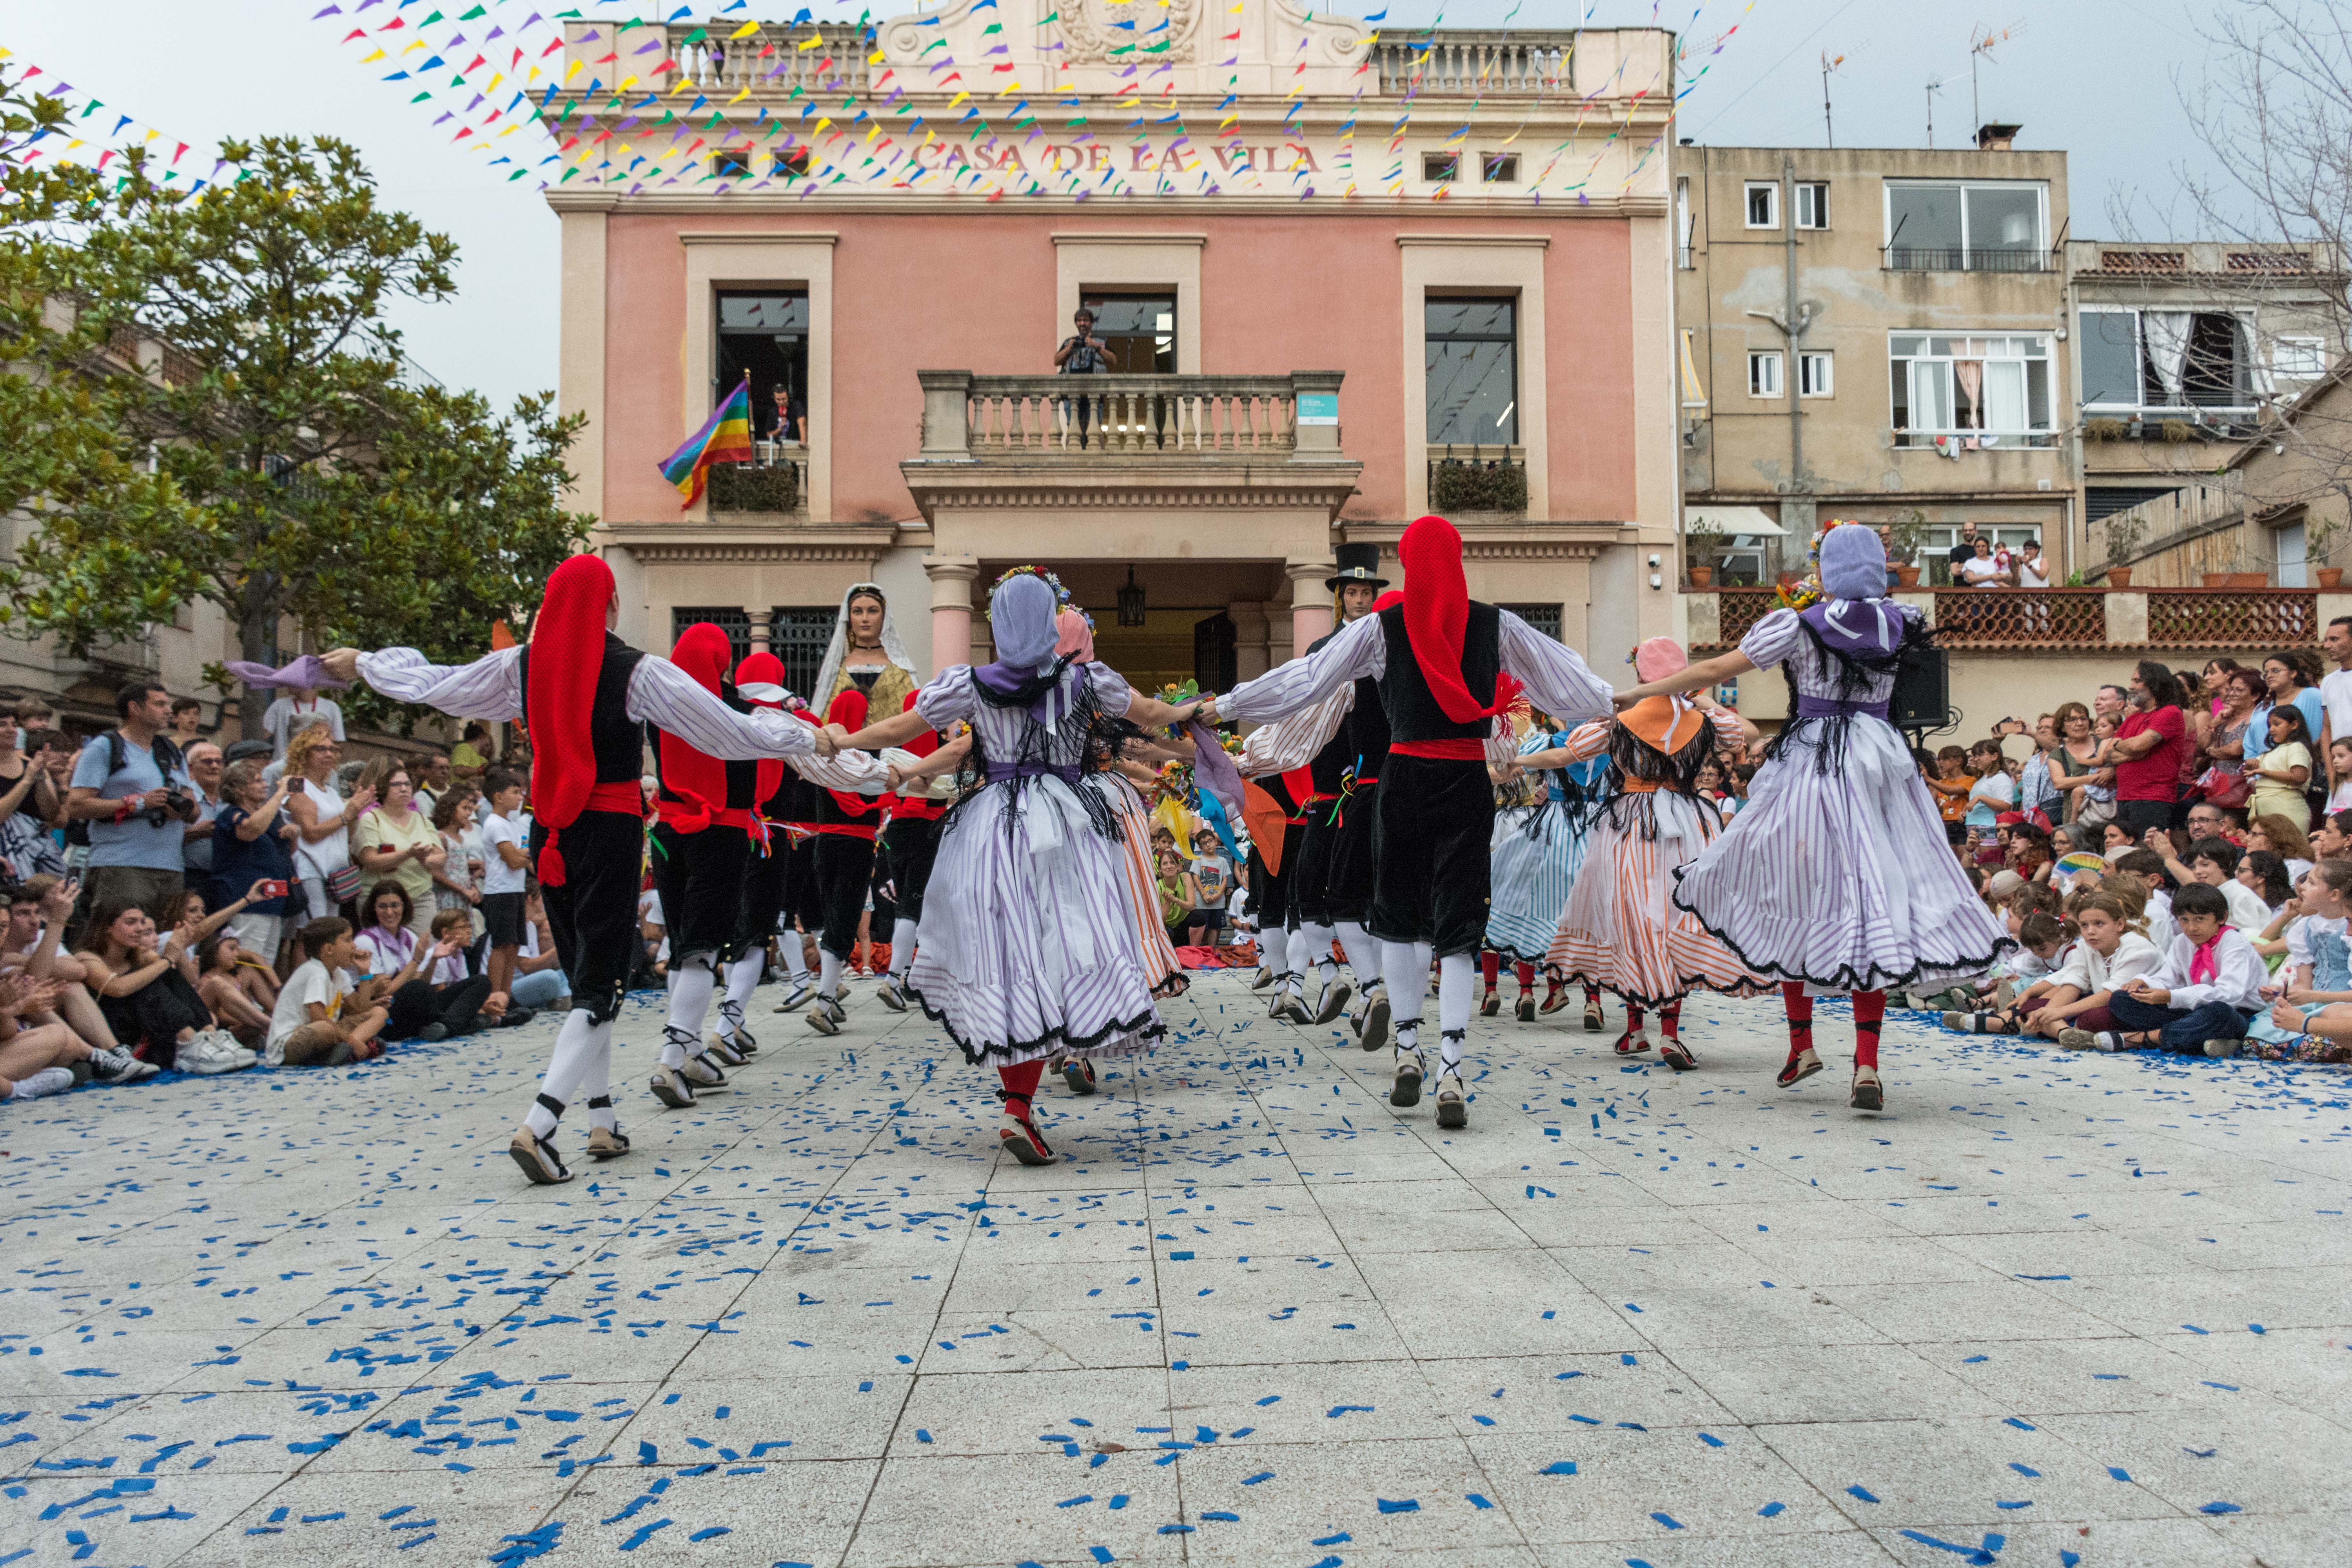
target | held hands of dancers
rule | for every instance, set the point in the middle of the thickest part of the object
(343, 663)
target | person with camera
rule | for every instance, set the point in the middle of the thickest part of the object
(131, 793)
(253, 846)
(1082, 354)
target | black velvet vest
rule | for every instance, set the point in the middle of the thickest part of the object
(1367, 729)
(1412, 711)
(613, 736)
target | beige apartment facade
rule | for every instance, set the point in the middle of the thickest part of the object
(1914, 372)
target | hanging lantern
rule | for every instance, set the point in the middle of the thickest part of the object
(1131, 601)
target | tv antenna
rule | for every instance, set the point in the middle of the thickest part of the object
(1829, 67)
(1981, 49)
(1935, 85)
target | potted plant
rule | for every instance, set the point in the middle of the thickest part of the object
(2104, 429)
(1703, 546)
(2118, 576)
(2318, 533)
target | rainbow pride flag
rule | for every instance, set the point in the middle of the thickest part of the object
(725, 438)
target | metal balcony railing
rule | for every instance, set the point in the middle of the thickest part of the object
(1916, 258)
(2061, 619)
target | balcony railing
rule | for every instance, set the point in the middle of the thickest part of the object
(1959, 441)
(775, 480)
(2061, 619)
(1913, 258)
(1109, 418)
(1469, 62)
(1478, 478)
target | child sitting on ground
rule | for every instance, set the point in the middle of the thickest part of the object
(2043, 939)
(2110, 952)
(2310, 1019)
(2208, 987)
(310, 1026)
(242, 995)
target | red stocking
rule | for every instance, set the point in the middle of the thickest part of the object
(1800, 1010)
(1490, 964)
(1526, 974)
(1670, 1019)
(1869, 1009)
(1021, 1085)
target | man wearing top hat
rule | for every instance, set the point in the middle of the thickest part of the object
(1342, 742)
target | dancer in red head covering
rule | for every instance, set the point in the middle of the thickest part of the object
(1446, 666)
(1620, 930)
(767, 880)
(584, 692)
(845, 827)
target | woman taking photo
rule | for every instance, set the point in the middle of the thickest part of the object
(322, 855)
(395, 840)
(28, 799)
(253, 842)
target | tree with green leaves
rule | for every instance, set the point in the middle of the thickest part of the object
(318, 481)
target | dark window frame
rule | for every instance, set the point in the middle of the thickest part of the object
(1510, 340)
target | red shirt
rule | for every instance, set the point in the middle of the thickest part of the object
(2157, 774)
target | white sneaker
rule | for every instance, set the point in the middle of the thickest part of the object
(118, 1066)
(47, 1081)
(205, 1055)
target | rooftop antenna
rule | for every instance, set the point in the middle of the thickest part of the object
(1935, 85)
(1981, 49)
(1828, 65)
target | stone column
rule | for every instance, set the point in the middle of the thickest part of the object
(1251, 630)
(952, 578)
(1310, 601)
(762, 629)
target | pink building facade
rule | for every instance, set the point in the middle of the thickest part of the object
(1309, 335)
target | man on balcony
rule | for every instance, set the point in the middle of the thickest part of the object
(1082, 354)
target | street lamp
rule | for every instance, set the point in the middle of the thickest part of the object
(1131, 601)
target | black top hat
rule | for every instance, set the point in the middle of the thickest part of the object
(1357, 563)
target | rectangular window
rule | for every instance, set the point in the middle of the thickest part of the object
(1815, 376)
(1498, 168)
(2299, 359)
(731, 163)
(1813, 206)
(1951, 227)
(1471, 361)
(1542, 619)
(1441, 168)
(1936, 554)
(765, 334)
(2166, 359)
(1986, 390)
(1763, 204)
(798, 637)
(736, 623)
(1764, 375)
(789, 163)
(1682, 224)
(1140, 330)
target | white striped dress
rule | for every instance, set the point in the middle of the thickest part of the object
(1843, 879)
(1620, 930)
(1030, 942)
(1536, 852)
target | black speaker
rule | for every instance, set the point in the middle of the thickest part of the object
(1922, 698)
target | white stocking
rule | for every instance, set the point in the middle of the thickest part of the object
(743, 979)
(597, 1086)
(795, 961)
(829, 981)
(902, 946)
(1300, 951)
(691, 986)
(1318, 950)
(579, 1046)
(1405, 967)
(1363, 953)
(1457, 975)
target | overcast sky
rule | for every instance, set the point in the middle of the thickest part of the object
(2095, 78)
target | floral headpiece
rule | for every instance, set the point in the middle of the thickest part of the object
(1061, 595)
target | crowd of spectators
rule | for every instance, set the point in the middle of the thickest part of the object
(179, 905)
(2214, 808)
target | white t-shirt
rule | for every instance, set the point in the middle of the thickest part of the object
(331, 854)
(2033, 573)
(287, 718)
(2247, 911)
(1978, 573)
(498, 876)
(2336, 702)
(385, 955)
(2160, 927)
(310, 983)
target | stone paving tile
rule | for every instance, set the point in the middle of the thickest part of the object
(281, 1316)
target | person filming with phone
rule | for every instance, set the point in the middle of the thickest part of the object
(1082, 354)
(253, 845)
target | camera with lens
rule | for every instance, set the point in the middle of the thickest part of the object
(178, 804)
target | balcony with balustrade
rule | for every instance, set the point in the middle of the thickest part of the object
(1087, 446)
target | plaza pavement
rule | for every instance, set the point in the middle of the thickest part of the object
(2049, 1309)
